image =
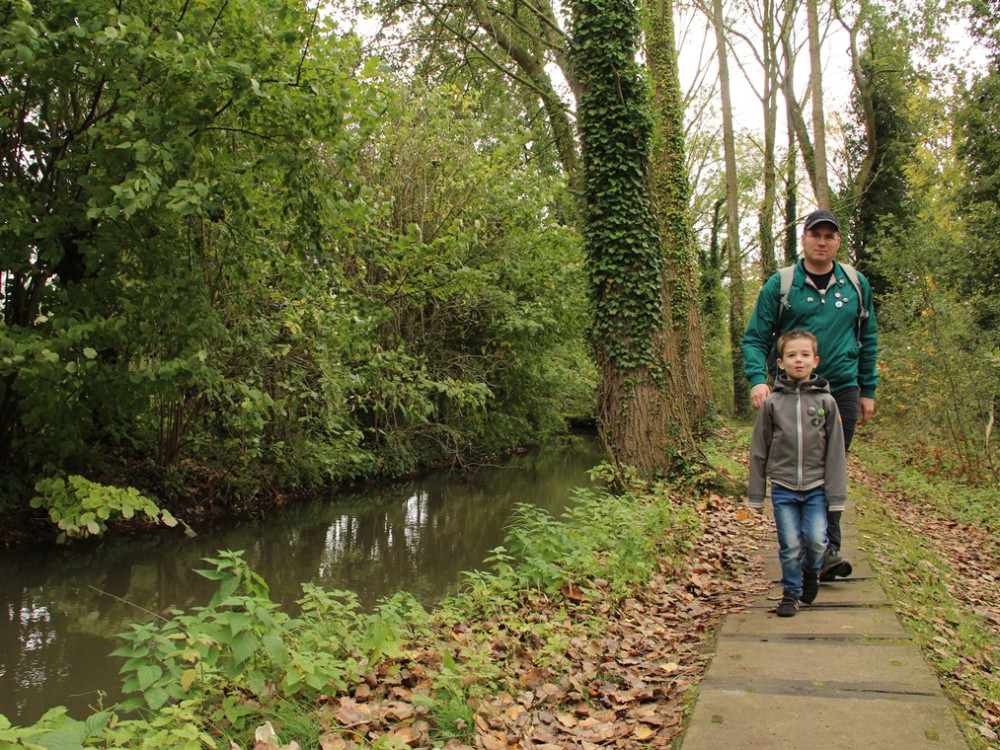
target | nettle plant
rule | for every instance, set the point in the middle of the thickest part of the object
(219, 663)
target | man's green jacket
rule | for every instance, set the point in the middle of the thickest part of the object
(847, 355)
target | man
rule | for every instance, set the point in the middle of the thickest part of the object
(822, 300)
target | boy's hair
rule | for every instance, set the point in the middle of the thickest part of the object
(796, 333)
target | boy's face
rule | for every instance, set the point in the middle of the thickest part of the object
(798, 359)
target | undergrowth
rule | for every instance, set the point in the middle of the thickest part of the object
(935, 476)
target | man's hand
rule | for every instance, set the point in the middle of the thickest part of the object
(865, 405)
(762, 390)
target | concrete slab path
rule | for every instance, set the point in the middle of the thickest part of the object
(842, 674)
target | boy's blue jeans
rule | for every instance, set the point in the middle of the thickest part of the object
(801, 520)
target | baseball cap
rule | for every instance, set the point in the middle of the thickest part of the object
(821, 216)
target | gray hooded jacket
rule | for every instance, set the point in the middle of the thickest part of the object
(798, 441)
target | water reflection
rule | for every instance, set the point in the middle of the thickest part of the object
(63, 608)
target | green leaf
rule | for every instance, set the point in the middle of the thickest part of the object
(70, 736)
(244, 645)
(147, 675)
(274, 644)
(238, 622)
(156, 697)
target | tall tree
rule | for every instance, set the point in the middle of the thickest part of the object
(526, 44)
(979, 149)
(794, 105)
(822, 179)
(770, 19)
(880, 139)
(791, 238)
(769, 105)
(643, 418)
(741, 397)
(513, 46)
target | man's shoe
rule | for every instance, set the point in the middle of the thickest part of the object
(810, 587)
(789, 605)
(833, 566)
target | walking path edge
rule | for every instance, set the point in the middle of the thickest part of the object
(840, 675)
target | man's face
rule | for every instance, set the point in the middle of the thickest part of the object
(820, 245)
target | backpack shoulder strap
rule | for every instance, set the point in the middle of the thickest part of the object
(787, 275)
(852, 275)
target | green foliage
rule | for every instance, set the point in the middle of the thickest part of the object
(880, 139)
(82, 508)
(52, 369)
(215, 665)
(938, 362)
(54, 731)
(607, 536)
(240, 639)
(940, 376)
(472, 291)
(154, 198)
(980, 190)
(935, 475)
(228, 243)
(713, 314)
(453, 707)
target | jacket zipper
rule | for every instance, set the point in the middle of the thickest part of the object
(798, 433)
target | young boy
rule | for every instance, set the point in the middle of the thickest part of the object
(798, 442)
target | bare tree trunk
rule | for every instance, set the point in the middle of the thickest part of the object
(526, 39)
(741, 398)
(796, 121)
(769, 101)
(532, 64)
(863, 82)
(822, 182)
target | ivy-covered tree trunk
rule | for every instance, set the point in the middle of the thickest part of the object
(791, 242)
(642, 412)
(672, 191)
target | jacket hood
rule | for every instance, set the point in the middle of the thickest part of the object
(815, 384)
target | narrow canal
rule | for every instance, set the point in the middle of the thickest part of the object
(62, 609)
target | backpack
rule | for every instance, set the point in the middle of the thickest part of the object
(787, 275)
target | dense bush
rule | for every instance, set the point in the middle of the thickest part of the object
(258, 267)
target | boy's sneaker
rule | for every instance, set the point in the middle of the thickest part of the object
(833, 566)
(789, 605)
(810, 587)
